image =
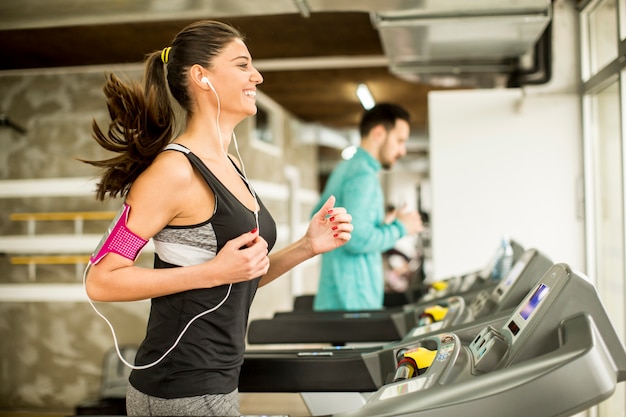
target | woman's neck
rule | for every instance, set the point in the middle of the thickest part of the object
(202, 133)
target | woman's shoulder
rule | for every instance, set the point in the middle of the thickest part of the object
(170, 169)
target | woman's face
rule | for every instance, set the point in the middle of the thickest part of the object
(235, 79)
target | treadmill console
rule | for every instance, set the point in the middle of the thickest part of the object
(527, 311)
(540, 351)
(506, 295)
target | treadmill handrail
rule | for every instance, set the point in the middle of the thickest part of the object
(582, 352)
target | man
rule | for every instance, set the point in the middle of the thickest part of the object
(352, 276)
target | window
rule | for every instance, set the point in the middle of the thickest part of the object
(267, 130)
(604, 98)
(600, 28)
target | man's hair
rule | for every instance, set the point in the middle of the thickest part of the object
(385, 114)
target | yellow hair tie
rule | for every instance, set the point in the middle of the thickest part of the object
(165, 54)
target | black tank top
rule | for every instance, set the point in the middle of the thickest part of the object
(208, 358)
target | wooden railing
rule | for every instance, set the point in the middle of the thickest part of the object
(78, 217)
(45, 249)
(80, 262)
(50, 259)
(55, 249)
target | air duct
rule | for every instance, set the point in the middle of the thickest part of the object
(468, 40)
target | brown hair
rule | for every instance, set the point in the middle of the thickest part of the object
(385, 114)
(142, 118)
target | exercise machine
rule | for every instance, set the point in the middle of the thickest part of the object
(557, 353)
(343, 327)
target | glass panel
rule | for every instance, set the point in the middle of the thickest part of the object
(267, 126)
(263, 127)
(603, 36)
(609, 219)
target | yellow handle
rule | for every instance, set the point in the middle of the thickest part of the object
(437, 312)
(423, 357)
(440, 285)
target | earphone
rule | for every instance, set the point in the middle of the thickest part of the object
(207, 82)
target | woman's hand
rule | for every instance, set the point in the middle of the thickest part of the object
(242, 258)
(329, 229)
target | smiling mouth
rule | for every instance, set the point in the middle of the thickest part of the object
(250, 93)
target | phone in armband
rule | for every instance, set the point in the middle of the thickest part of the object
(119, 239)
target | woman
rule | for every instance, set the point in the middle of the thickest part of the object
(211, 233)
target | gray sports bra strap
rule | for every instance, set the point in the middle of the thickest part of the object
(213, 182)
(176, 147)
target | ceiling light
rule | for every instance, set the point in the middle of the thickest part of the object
(365, 97)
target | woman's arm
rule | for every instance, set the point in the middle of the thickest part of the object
(116, 278)
(164, 193)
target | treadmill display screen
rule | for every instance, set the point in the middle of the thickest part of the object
(534, 301)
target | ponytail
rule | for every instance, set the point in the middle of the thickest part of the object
(142, 124)
(142, 119)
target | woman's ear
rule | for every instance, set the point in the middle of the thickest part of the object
(196, 75)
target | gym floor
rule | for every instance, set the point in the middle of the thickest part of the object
(290, 404)
(273, 403)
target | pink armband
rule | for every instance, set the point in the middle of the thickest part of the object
(119, 239)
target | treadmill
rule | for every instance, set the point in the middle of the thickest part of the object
(468, 283)
(343, 327)
(556, 354)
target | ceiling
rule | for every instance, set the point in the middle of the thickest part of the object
(312, 53)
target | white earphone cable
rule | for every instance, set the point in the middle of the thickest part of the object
(180, 336)
(244, 177)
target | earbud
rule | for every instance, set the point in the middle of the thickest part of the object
(207, 82)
